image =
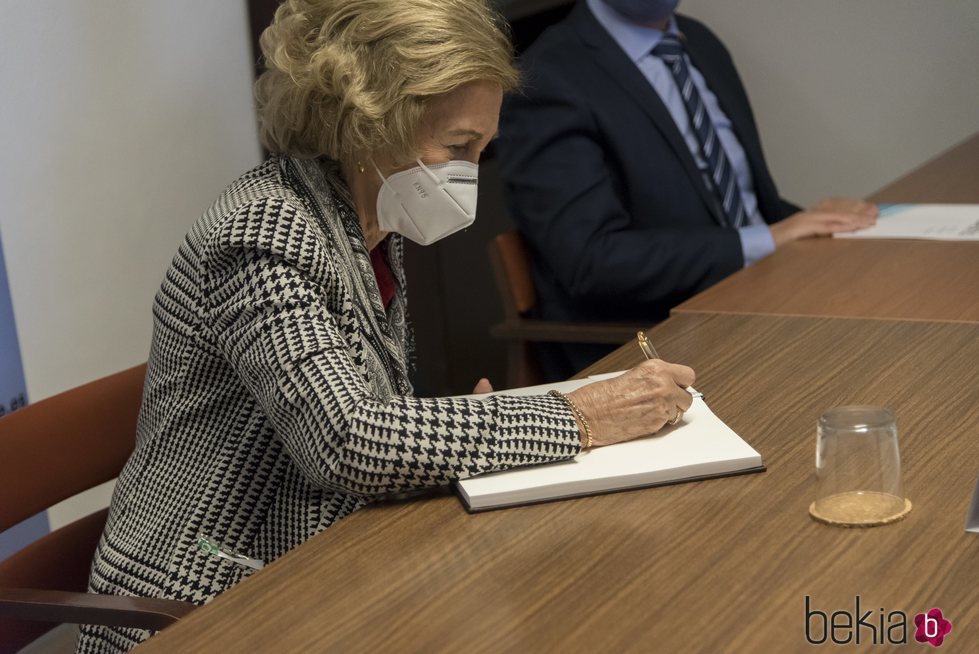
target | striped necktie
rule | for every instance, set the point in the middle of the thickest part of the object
(725, 181)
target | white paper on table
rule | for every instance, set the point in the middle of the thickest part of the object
(944, 222)
(972, 520)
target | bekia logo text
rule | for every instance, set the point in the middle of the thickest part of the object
(878, 627)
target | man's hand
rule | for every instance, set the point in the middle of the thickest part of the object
(847, 205)
(826, 218)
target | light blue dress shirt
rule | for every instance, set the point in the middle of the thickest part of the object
(638, 41)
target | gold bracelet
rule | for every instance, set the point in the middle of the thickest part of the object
(576, 412)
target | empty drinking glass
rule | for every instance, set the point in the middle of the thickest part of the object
(858, 468)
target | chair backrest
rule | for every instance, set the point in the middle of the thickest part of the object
(68, 443)
(50, 451)
(510, 258)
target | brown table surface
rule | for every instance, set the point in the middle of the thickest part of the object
(710, 566)
(895, 279)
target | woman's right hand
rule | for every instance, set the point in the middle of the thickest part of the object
(636, 403)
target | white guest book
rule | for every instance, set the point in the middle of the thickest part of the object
(698, 447)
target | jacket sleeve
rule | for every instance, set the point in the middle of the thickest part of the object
(564, 198)
(267, 277)
(787, 209)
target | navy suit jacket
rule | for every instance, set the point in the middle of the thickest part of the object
(601, 183)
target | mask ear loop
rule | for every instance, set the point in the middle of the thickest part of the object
(384, 181)
(435, 178)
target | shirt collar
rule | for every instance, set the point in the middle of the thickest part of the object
(636, 40)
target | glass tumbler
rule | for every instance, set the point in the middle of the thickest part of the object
(858, 468)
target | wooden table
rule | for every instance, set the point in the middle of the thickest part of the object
(897, 279)
(952, 176)
(712, 566)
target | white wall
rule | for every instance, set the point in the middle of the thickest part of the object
(120, 122)
(850, 94)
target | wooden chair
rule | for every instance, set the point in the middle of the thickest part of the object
(511, 263)
(50, 451)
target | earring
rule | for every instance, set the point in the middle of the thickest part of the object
(360, 166)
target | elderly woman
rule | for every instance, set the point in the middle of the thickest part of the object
(277, 399)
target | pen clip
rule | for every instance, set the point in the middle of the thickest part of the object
(646, 346)
(212, 547)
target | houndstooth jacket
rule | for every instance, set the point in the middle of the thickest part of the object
(277, 398)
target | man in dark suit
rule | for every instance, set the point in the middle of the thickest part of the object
(634, 168)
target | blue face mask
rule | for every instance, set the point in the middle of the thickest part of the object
(644, 11)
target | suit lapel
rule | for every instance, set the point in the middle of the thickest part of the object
(620, 68)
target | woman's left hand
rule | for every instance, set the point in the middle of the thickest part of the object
(483, 386)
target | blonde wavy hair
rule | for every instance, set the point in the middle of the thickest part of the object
(348, 77)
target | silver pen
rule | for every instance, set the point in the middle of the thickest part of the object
(647, 348)
(211, 546)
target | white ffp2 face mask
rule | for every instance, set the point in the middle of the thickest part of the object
(427, 203)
